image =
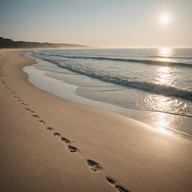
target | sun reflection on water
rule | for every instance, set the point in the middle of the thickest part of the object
(161, 121)
(164, 131)
(164, 124)
(165, 54)
(163, 75)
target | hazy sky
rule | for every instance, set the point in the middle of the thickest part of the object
(103, 23)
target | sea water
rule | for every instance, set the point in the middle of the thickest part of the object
(157, 81)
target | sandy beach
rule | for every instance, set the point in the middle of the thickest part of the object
(50, 144)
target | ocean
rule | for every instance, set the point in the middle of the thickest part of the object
(143, 81)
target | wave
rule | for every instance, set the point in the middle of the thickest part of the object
(171, 57)
(142, 61)
(146, 86)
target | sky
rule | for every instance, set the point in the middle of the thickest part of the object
(98, 23)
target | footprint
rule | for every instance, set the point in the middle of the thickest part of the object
(41, 121)
(118, 187)
(72, 149)
(121, 188)
(56, 134)
(65, 140)
(35, 116)
(49, 128)
(111, 180)
(25, 104)
(94, 166)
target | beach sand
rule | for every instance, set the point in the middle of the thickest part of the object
(50, 144)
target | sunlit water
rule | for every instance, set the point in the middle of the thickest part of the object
(141, 79)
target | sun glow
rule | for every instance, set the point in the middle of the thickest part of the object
(165, 19)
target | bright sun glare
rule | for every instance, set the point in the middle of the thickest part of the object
(165, 19)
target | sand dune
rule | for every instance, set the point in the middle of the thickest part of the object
(50, 144)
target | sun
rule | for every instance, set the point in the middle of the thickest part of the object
(165, 19)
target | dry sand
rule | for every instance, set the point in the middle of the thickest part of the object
(108, 152)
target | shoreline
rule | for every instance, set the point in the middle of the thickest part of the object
(175, 123)
(106, 147)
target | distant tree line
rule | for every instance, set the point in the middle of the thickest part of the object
(9, 43)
